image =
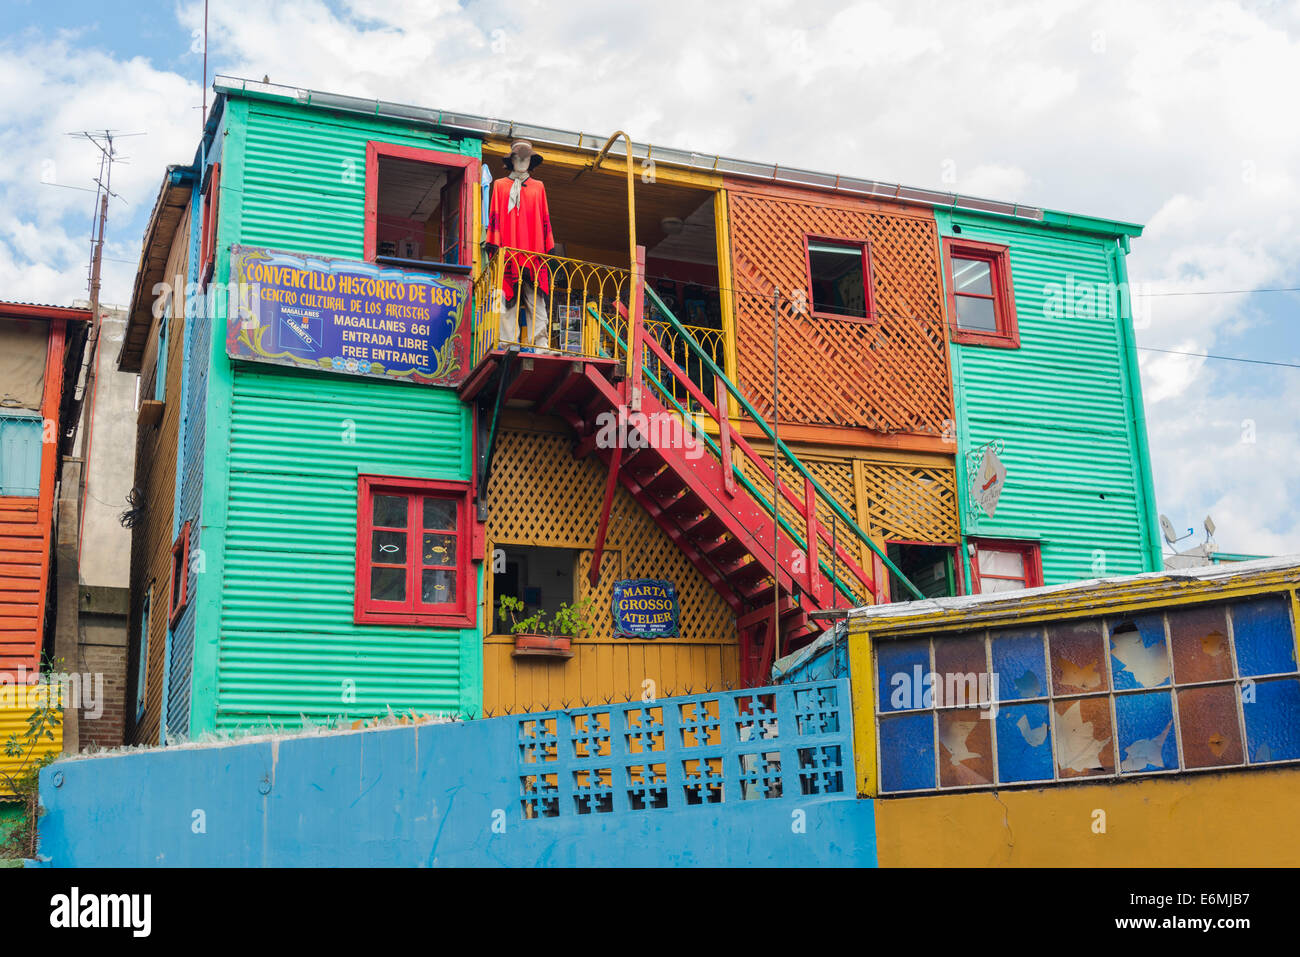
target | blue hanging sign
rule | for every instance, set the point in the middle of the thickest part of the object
(356, 318)
(645, 608)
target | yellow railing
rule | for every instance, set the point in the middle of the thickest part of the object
(572, 286)
(711, 340)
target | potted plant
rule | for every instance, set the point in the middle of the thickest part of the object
(538, 634)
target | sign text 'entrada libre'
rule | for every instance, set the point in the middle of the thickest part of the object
(346, 316)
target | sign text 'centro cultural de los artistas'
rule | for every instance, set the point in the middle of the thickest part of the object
(357, 318)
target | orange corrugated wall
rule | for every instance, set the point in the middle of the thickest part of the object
(26, 525)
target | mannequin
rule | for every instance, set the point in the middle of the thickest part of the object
(519, 218)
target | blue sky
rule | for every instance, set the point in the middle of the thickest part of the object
(1178, 116)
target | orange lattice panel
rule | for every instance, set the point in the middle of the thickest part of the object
(891, 375)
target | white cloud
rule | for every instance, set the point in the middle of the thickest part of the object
(1174, 115)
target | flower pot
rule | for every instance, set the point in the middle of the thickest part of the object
(542, 644)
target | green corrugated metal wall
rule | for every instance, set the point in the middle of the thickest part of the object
(1063, 404)
(288, 643)
(294, 443)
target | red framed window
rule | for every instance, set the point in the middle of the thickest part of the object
(981, 302)
(1002, 565)
(419, 206)
(208, 248)
(839, 278)
(180, 581)
(414, 552)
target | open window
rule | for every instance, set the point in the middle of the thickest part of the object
(981, 302)
(839, 278)
(180, 587)
(419, 207)
(933, 569)
(542, 578)
(414, 553)
(998, 566)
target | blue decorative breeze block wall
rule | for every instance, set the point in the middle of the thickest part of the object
(786, 744)
(752, 778)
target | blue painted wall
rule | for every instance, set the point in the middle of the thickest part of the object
(452, 794)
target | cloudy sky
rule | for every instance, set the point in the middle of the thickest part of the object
(1179, 116)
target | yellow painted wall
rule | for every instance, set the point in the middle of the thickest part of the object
(1233, 818)
(16, 704)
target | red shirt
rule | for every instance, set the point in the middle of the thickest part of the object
(526, 227)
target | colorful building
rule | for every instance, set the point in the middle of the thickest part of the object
(40, 357)
(346, 460)
(1137, 721)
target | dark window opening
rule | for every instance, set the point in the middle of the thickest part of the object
(542, 578)
(838, 277)
(420, 213)
(931, 568)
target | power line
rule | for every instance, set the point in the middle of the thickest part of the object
(1217, 292)
(1206, 355)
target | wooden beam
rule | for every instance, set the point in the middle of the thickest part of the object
(611, 481)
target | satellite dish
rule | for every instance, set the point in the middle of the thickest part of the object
(1167, 529)
(1209, 526)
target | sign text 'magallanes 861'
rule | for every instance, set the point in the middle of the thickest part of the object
(356, 318)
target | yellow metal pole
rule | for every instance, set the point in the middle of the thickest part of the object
(631, 235)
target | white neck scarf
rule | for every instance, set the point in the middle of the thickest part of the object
(516, 187)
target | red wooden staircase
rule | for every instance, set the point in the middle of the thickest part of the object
(707, 488)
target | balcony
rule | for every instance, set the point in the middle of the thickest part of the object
(586, 309)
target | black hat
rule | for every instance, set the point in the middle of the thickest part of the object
(522, 148)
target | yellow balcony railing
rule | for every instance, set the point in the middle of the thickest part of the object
(574, 289)
(710, 340)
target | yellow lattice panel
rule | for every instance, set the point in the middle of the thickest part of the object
(910, 502)
(540, 495)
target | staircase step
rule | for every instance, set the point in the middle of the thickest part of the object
(688, 506)
(757, 588)
(666, 480)
(725, 550)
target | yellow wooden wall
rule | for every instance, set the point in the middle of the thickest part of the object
(540, 495)
(155, 476)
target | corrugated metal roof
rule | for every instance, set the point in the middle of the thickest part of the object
(483, 126)
(30, 310)
(169, 208)
(1214, 576)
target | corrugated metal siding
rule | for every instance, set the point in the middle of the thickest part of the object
(1059, 403)
(305, 178)
(198, 345)
(24, 543)
(16, 703)
(155, 475)
(289, 646)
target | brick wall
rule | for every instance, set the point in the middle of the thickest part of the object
(102, 651)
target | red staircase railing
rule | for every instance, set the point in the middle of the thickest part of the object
(813, 535)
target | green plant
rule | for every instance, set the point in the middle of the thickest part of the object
(570, 619)
(45, 717)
